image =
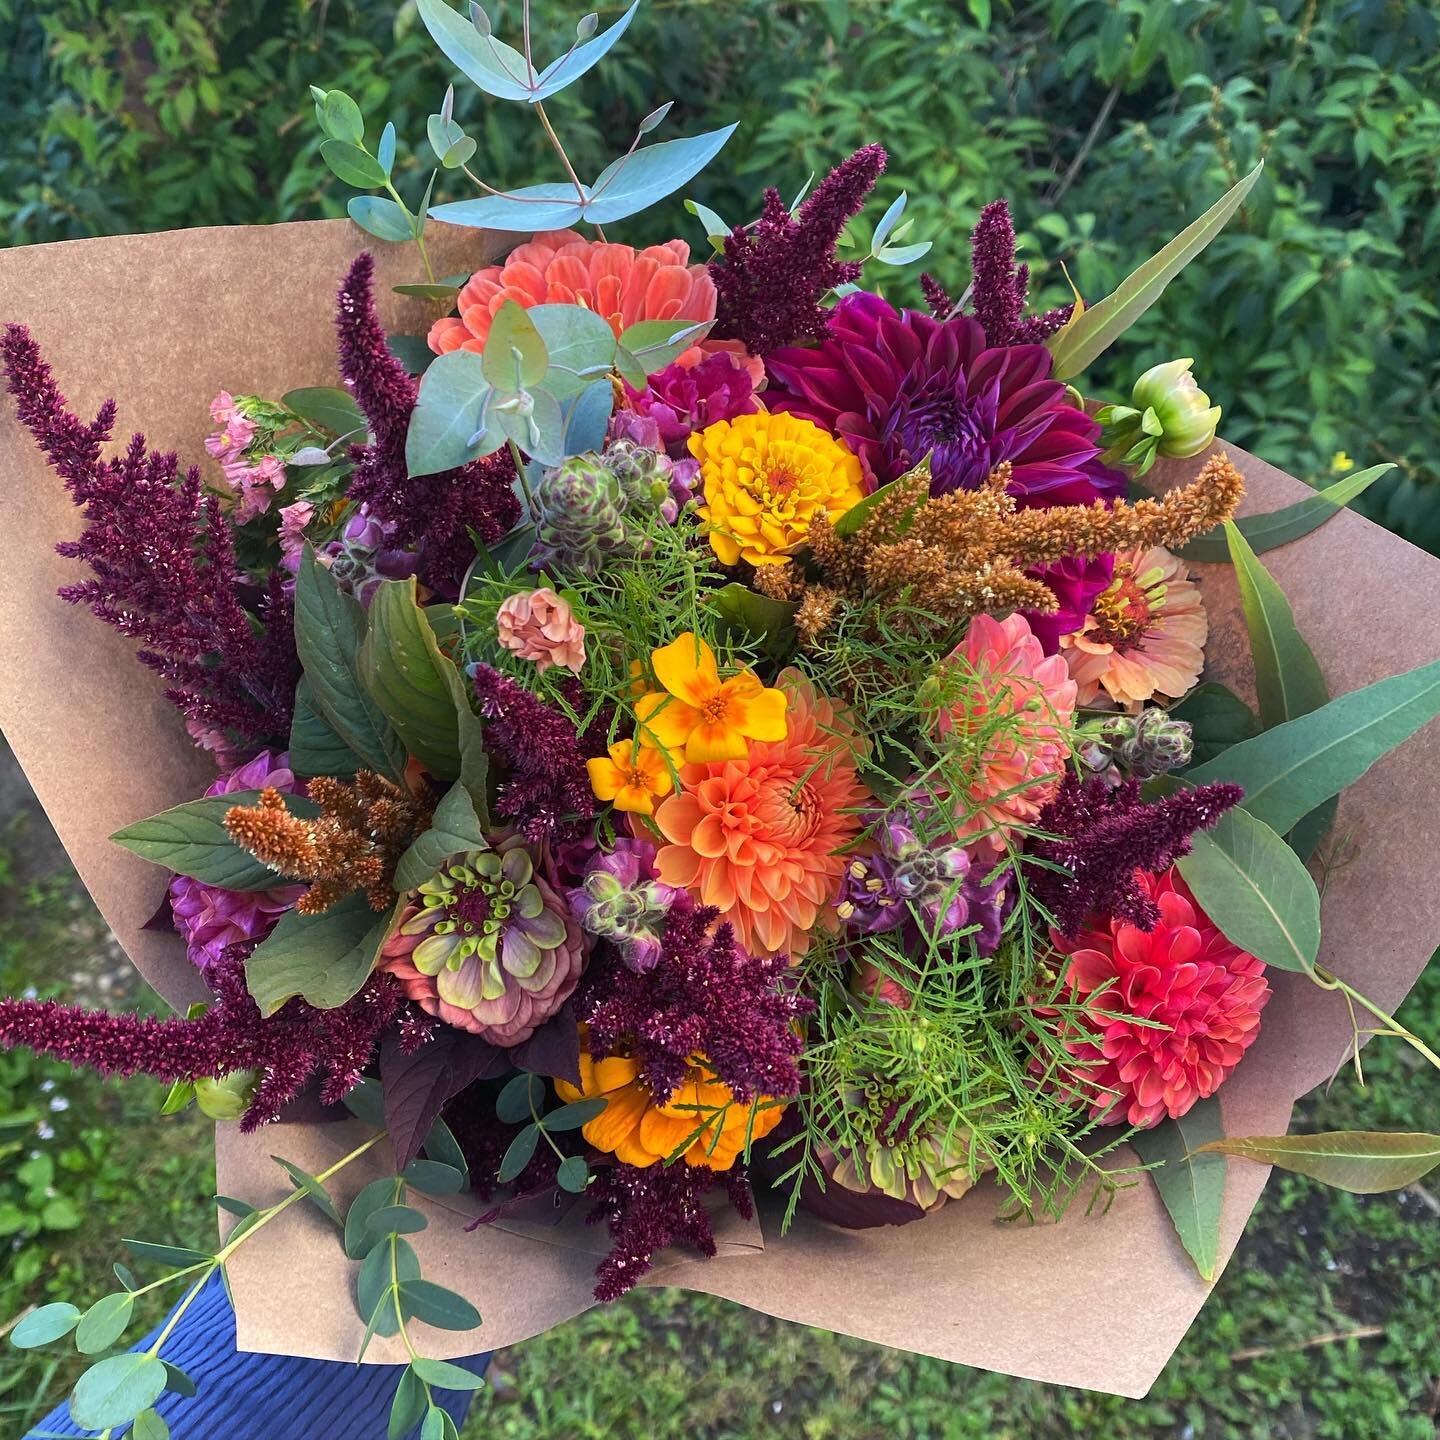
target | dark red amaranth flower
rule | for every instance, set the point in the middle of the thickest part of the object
(287, 1049)
(651, 1207)
(431, 514)
(1106, 840)
(548, 794)
(1168, 1011)
(774, 273)
(705, 996)
(163, 558)
(999, 288)
(898, 386)
(936, 297)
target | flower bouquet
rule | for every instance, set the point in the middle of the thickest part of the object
(676, 759)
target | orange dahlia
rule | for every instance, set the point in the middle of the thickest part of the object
(559, 267)
(1145, 634)
(638, 1130)
(1007, 702)
(760, 837)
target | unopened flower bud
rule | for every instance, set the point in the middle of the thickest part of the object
(1150, 743)
(229, 1097)
(1169, 414)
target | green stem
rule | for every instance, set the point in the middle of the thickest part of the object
(420, 238)
(519, 460)
(1329, 981)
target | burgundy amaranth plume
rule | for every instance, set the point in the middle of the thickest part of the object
(163, 558)
(774, 273)
(1104, 836)
(287, 1049)
(999, 288)
(431, 514)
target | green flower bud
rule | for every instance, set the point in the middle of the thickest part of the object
(229, 1097)
(1169, 414)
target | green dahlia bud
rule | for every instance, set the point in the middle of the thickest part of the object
(1169, 414)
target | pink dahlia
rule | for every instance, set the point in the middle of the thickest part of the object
(1168, 1012)
(682, 399)
(211, 919)
(898, 385)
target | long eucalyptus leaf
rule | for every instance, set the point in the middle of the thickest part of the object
(1364, 1162)
(1191, 1185)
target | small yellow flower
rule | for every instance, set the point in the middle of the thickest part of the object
(632, 776)
(700, 717)
(766, 477)
(1340, 462)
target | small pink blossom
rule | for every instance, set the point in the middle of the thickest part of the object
(236, 430)
(255, 484)
(538, 625)
(293, 520)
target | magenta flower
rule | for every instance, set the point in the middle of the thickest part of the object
(681, 399)
(897, 386)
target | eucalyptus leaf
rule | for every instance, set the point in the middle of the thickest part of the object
(378, 1195)
(435, 1305)
(150, 1425)
(412, 351)
(442, 1146)
(341, 117)
(551, 206)
(390, 1263)
(450, 408)
(327, 408)
(587, 418)
(408, 1407)
(395, 1220)
(1191, 1185)
(498, 69)
(575, 1114)
(445, 1376)
(519, 1154)
(365, 1100)
(577, 340)
(325, 959)
(1087, 335)
(180, 1255)
(104, 1322)
(1292, 768)
(1280, 527)
(385, 150)
(515, 357)
(116, 1390)
(631, 184)
(314, 1190)
(522, 1098)
(177, 1381)
(570, 67)
(426, 291)
(573, 1174)
(656, 343)
(48, 1323)
(353, 165)
(1364, 1162)
(1256, 889)
(381, 217)
(431, 1177)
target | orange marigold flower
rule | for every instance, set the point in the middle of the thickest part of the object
(701, 716)
(1000, 672)
(1145, 635)
(559, 267)
(637, 1130)
(760, 837)
(631, 776)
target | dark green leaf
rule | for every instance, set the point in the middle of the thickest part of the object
(150, 1425)
(427, 291)
(385, 150)
(376, 1196)
(573, 1174)
(445, 1375)
(325, 958)
(104, 1322)
(856, 516)
(575, 1114)
(352, 164)
(454, 830)
(519, 1154)
(451, 409)
(40, 1327)
(412, 351)
(1218, 718)
(433, 1304)
(242, 1208)
(1364, 1162)
(177, 1381)
(757, 616)
(330, 409)
(315, 748)
(522, 1099)
(389, 1262)
(178, 1097)
(116, 1390)
(656, 343)
(167, 1254)
(314, 1190)
(1280, 527)
(125, 1276)
(394, 1220)
(341, 117)
(408, 1407)
(441, 1146)
(1192, 1186)
(434, 1178)
(365, 1101)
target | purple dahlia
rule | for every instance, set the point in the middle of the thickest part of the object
(898, 385)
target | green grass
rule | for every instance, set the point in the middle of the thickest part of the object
(1325, 1326)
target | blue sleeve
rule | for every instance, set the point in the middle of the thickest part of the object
(266, 1397)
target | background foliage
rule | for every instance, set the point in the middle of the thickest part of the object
(1107, 123)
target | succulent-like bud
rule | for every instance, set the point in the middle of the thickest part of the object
(1169, 414)
(1148, 744)
(579, 516)
(623, 900)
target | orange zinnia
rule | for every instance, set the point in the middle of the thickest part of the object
(559, 267)
(632, 776)
(638, 1130)
(700, 716)
(760, 837)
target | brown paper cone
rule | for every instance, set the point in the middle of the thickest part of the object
(165, 321)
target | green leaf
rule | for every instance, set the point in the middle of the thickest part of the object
(376, 1196)
(433, 1426)
(191, 839)
(1256, 889)
(352, 164)
(1218, 718)
(329, 409)
(445, 1375)
(178, 1097)
(515, 357)
(856, 516)
(415, 685)
(1292, 768)
(229, 1203)
(427, 291)
(574, 63)
(394, 1220)
(1280, 527)
(323, 958)
(1364, 1162)
(575, 1114)
(365, 1101)
(116, 1390)
(489, 63)
(150, 1425)
(177, 1381)
(522, 1099)
(315, 748)
(182, 1255)
(635, 182)
(519, 1154)
(385, 150)
(757, 616)
(442, 1147)
(104, 1322)
(434, 1178)
(578, 340)
(389, 1262)
(1191, 1185)
(408, 1407)
(381, 217)
(655, 343)
(450, 410)
(341, 117)
(573, 1174)
(551, 206)
(1085, 337)
(412, 351)
(453, 830)
(40, 1327)
(433, 1304)
(314, 1190)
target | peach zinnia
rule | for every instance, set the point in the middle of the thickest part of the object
(558, 267)
(760, 837)
(1005, 710)
(1145, 634)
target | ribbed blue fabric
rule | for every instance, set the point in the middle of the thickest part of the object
(267, 1397)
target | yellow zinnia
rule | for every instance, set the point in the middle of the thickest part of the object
(701, 718)
(633, 776)
(766, 477)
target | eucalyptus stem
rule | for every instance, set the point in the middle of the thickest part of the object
(1329, 981)
(420, 238)
(519, 460)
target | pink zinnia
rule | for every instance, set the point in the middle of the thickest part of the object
(538, 625)
(1168, 1013)
(1000, 670)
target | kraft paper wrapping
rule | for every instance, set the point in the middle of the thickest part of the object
(163, 322)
